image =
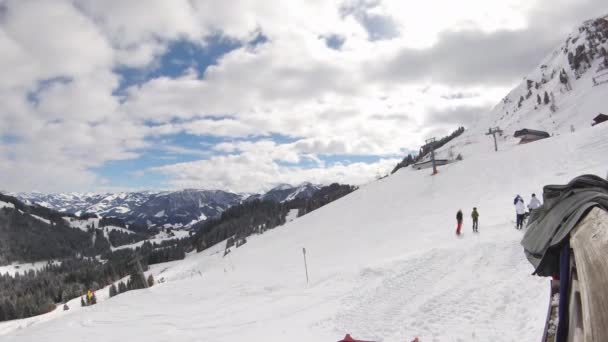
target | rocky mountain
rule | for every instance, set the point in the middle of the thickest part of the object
(118, 204)
(183, 208)
(161, 209)
(286, 192)
(562, 95)
(567, 89)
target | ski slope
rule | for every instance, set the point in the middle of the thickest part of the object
(384, 264)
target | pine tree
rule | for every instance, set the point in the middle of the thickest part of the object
(150, 280)
(538, 99)
(113, 290)
(122, 287)
(546, 98)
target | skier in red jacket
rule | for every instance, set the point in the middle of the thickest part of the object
(458, 221)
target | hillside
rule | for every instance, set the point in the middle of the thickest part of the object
(583, 59)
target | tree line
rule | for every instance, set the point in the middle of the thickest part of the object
(412, 159)
(257, 216)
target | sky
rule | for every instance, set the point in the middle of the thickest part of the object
(125, 95)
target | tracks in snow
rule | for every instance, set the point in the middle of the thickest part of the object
(443, 290)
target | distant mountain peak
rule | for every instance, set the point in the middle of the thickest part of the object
(282, 186)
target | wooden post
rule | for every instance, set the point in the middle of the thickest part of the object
(305, 266)
(589, 240)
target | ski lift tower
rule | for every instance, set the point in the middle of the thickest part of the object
(492, 132)
(431, 143)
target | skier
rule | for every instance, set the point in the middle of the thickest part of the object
(520, 210)
(475, 217)
(458, 221)
(516, 199)
(534, 203)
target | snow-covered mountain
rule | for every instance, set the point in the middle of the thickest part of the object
(183, 208)
(118, 204)
(164, 209)
(574, 78)
(286, 192)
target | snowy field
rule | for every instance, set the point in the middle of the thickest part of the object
(384, 264)
(158, 238)
(24, 268)
(6, 205)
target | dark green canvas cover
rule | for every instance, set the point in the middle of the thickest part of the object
(563, 207)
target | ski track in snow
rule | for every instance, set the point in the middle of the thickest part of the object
(382, 308)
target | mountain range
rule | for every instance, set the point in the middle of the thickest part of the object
(174, 209)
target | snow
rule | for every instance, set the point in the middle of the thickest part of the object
(120, 229)
(158, 238)
(291, 215)
(122, 209)
(6, 205)
(23, 268)
(41, 219)
(160, 214)
(201, 217)
(83, 224)
(44, 204)
(282, 187)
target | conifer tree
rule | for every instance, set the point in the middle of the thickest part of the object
(546, 98)
(113, 290)
(538, 99)
(122, 287)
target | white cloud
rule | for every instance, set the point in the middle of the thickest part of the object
(396, 76)
(249, 173)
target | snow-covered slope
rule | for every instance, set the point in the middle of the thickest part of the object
(384, 264)
(575, 103)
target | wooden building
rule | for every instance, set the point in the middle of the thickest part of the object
(529, 135)
(599, 119)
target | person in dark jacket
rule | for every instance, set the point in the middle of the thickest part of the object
(520, 210)
(458, 221)
(475, 217)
